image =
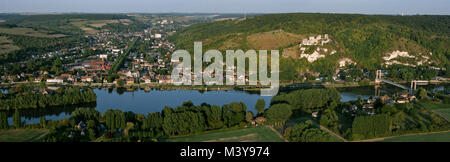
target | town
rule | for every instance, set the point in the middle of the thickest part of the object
(91, 63)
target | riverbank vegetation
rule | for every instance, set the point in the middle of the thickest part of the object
(115, 125)
(87, 124)
(301, 116)
(26, 97)
(356, 120)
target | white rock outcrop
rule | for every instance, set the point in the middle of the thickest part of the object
(345, 61)
(396, 54)
(311, 41)
(312, 57)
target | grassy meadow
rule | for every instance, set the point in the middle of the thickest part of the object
(22, 135)
(431, 137)
(258, 134)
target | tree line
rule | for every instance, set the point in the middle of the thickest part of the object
(308, 100)
(22, 98)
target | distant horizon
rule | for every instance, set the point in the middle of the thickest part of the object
(364, 7)
(209, 13)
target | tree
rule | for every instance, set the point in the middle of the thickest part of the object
(422, 93)
(328, 118)
(43, 122)
(309, 100)
(213, 116)
(249, 116)
(17, 121)
(120, 82)
(371, 126)
(278, 114)
(4, 120)
(234, 113)
(114, 119)
(57, 66)
(260, 105)
(388, 109)
(306, 132)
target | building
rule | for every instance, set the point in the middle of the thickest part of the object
(103, 56)
(38, 79)
(129, 80)
(164, 79)
(117, 51)
(55, 80)
(87, 78)
(67, 77)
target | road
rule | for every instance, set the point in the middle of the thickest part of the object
(329, 131)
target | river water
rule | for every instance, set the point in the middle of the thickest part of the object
(140, 101)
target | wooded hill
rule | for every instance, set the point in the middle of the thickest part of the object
(364, 39)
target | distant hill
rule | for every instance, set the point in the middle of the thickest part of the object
(369, 41)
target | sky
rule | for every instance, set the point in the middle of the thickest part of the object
(408, 7)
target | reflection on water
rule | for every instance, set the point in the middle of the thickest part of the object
(352, 93)
(140, 101)
(154, 101)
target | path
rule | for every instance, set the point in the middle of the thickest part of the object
(383, 138)
(329, 131)
(278, 133)
(37, 138)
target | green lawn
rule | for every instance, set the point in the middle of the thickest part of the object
(435, 137)
(22, 135)
(258, 134)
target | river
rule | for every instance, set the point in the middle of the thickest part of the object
(140, 101)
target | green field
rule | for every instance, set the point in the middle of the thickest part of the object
(7, 45)
(29, 32)
(435, 137)
(434, 105)
(258, 134)
(22, 135)
(442, 109)
(444, 112)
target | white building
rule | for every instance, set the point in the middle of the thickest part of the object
(55, 80)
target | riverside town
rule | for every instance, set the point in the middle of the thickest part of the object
(225, 80)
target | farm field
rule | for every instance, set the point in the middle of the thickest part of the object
(89, 26)
(258, 134)
(442, 109)
(22, 135)
(434, 106)
(432, 137)
(29, 32)
(273, 39)
(6, 45)
(444, 112)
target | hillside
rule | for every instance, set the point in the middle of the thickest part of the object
(324, 42)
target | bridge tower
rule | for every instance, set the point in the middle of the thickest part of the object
(378, 77)
(377, 90)
(413, 85)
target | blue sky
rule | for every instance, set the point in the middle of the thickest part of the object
(230, 6)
